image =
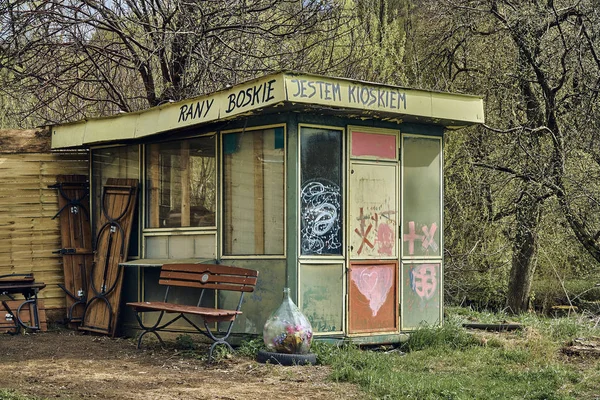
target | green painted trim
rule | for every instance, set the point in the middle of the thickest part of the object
(293, 229)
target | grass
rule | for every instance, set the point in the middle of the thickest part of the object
(12, 395)
(450, 362)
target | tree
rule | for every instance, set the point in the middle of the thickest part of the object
(73, 59)
(537, 65)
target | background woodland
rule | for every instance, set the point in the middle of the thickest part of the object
(522, 193)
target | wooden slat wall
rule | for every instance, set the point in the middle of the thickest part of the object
(28, 235)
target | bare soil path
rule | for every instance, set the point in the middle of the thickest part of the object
(69, 365)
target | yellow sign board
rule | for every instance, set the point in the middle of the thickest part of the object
(280, 88)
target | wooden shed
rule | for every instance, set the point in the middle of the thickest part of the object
(329, 186)
(28, 234)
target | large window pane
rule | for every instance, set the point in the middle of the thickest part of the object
(181, 190)
(320, 196)
(253, 187)
(114, 162)
(422, 201)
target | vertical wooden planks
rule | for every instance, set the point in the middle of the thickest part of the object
(112, 242)
(76, 240)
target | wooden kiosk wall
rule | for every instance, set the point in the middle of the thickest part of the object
(28, 234)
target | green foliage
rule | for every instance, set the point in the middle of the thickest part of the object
(185, 342)
(250, 348)
(450, 336)
(12, 395)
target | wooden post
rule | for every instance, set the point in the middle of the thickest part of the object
(184, 165)
(259, 194)
(154, 174)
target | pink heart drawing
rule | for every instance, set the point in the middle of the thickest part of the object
(374, 283)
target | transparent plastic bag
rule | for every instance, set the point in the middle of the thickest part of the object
(287, 330)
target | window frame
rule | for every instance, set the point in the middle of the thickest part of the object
(221, 183)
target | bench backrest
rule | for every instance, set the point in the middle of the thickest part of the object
(209, 276)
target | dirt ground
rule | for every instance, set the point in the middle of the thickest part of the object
(64, 364)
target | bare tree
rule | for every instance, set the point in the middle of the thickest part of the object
(537, 64)
(70, 59)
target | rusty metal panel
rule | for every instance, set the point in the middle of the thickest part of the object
(373, 297)
(373, 211)
(421, 294)
(321, 296)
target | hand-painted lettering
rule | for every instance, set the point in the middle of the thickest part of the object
(195, 110)
(251, 96)
(381, 97)
(323, 90)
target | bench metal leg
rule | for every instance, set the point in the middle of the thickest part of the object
(154, 328)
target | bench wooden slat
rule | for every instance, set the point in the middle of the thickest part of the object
(212, 268)
(207, 277)
(200, 285)
(223, 315)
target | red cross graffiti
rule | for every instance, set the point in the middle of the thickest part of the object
(363, 233)
(427, 239)
(411, 236)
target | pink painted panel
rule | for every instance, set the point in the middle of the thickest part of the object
(374, 145)
(372, 295)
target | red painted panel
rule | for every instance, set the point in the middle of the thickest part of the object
(373, 297)
(374, 144)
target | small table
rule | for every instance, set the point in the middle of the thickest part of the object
(25, 285)
(159, 262)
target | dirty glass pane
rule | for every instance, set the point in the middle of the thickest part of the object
(181, 188)
(421, 294)
(253, 189)
(114, 162)
(373, 213)
(321, 296)
(421, 195)
(320, 197)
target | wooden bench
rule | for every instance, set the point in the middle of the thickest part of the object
(203, 277)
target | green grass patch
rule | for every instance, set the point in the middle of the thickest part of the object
(450, 362)
(12, 395)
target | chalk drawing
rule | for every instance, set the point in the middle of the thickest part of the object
(374, 283)
(423, 280)
(321, 226)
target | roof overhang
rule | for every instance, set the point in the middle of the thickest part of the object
(288, 90)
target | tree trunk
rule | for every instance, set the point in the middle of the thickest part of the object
(524, 250)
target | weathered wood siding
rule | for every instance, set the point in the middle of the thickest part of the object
(28, 234)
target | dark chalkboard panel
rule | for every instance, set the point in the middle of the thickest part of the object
(321, 208)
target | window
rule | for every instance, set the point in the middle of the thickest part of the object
(253, 188)
(422, 196)
(114, 162)
(320, 194)
(181, 189)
